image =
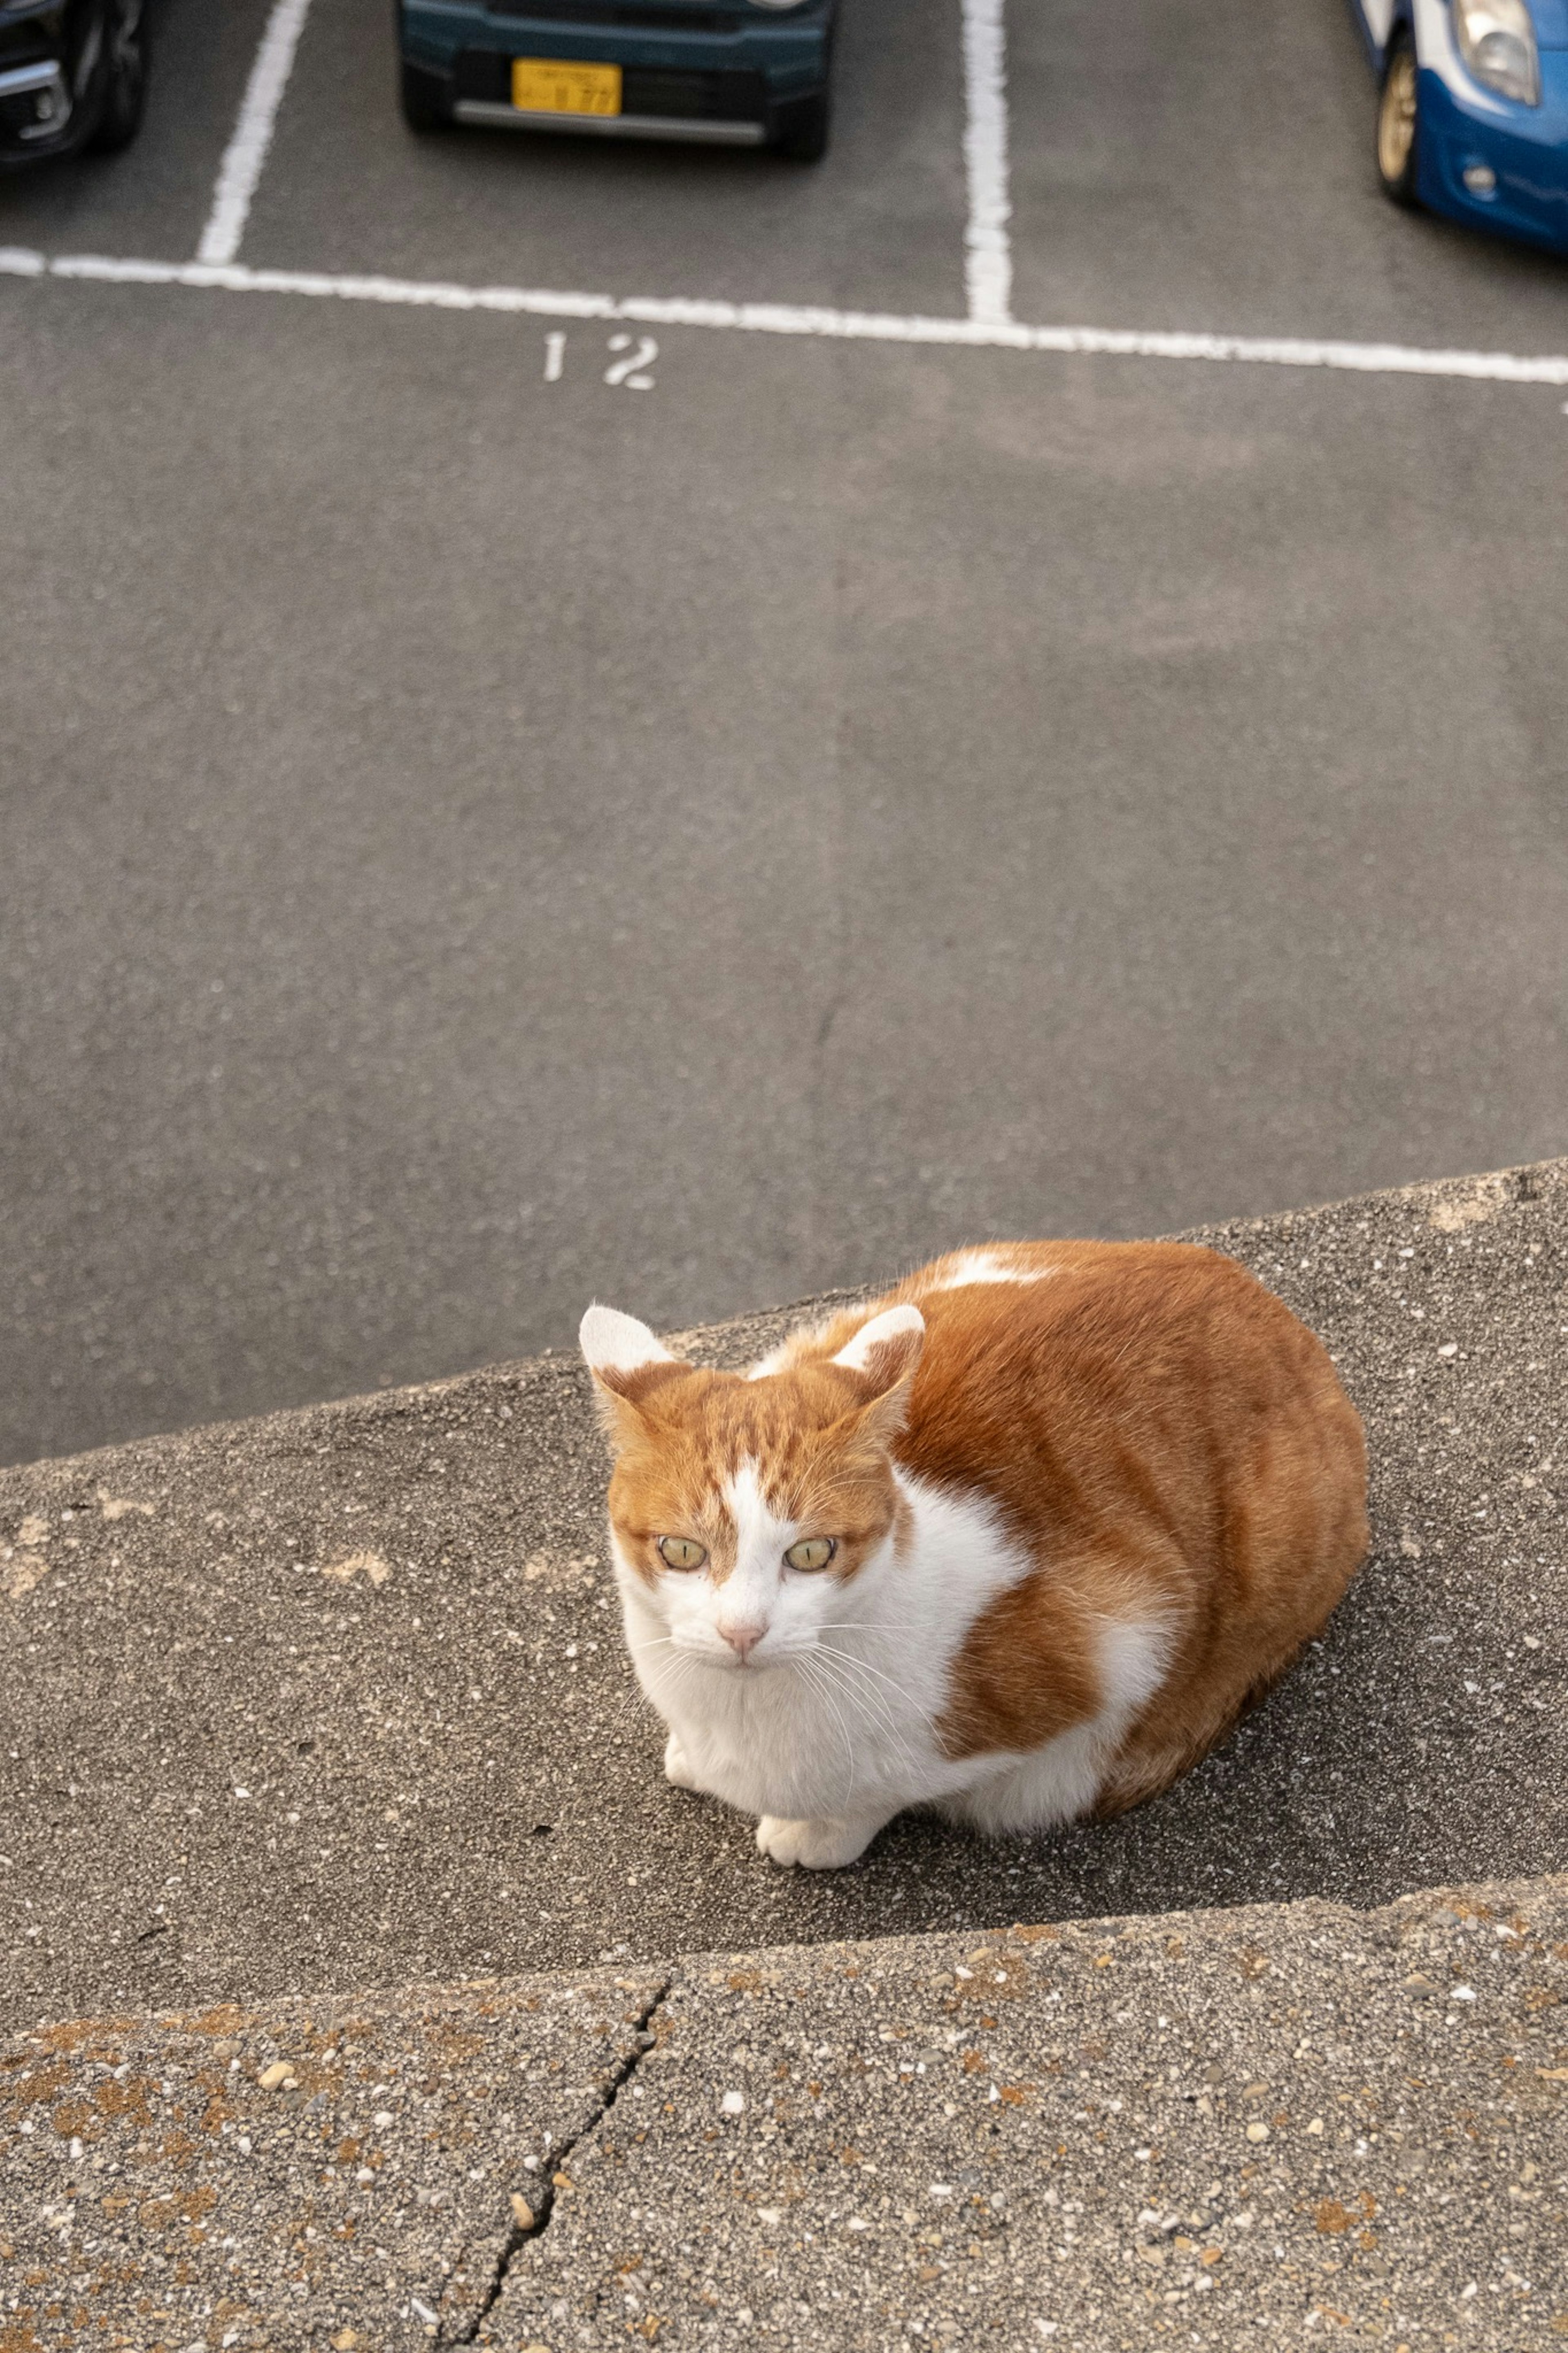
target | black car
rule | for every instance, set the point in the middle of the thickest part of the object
(73, 75)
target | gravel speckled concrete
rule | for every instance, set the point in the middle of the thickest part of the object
(1225, 2127)
(338, 1697)
(318, 2173)
(1282, 2125)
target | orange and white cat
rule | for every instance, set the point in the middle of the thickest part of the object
(1020, 1541)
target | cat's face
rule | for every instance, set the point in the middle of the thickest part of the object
(744, 1511)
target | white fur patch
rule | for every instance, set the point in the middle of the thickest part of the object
(987, 1266)
(1133, 1654)
(614, 1343)
(835, 1716)
(893, 1323)
(1060, 1781)
(750, 1595)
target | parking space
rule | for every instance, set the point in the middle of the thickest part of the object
(493, 818)
(879, 224)
(154, 197)
(1211, 169)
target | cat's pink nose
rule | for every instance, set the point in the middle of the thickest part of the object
(743, 1640)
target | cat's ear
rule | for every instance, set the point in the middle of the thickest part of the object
(627, 1361)
(614, 1343)
(885, 1353)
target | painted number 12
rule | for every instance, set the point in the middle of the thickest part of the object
(628, 371)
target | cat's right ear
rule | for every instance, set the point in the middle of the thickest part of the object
(627, 1362)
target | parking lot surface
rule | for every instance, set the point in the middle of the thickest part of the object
(496, 814)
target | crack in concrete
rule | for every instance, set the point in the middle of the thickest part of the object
(517, 2238)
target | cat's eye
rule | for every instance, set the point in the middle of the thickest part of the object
(812, 1552)
(681, 1552)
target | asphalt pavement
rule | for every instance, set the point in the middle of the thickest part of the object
(475, 840)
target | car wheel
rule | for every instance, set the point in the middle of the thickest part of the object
(125, 78)
(1398, 128)
(803, 135)
(425, 105)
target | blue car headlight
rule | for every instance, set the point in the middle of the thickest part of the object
(1496, 41)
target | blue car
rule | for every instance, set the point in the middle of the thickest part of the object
(1472, 118)
(747, 73)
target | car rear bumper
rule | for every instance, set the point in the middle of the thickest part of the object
(720, 73)
(723, 131)
(1526, 147)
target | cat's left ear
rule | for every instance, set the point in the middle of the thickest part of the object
(885, 1353)
(627, 1361)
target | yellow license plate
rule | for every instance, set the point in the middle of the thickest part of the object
(554, 86)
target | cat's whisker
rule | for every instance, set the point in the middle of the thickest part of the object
(866, 1696)
(677, 1668)
(668, 1675)
(867, 1667)
(908, 1724)
(811, 1682)
(860, 1626)
(846, 1667)
(825, 1693)
(890, 1736)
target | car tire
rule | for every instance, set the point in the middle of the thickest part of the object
(125, 82)
(1398, 122)
(426, 106)
(803, 135)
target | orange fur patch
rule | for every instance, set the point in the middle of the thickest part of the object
(1165, 1440)
(816, 1439)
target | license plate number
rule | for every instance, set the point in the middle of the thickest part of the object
(555, 86)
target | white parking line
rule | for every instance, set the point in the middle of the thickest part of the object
(793, 319)
(987, 249)
(246, 151)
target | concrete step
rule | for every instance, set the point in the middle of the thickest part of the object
(337, 1698)
(1228, 2127)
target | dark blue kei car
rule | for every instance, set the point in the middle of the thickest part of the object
(1472, 117)
(739, 72)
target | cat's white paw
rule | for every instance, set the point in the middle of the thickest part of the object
(675, 1769)
(826, 1845)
